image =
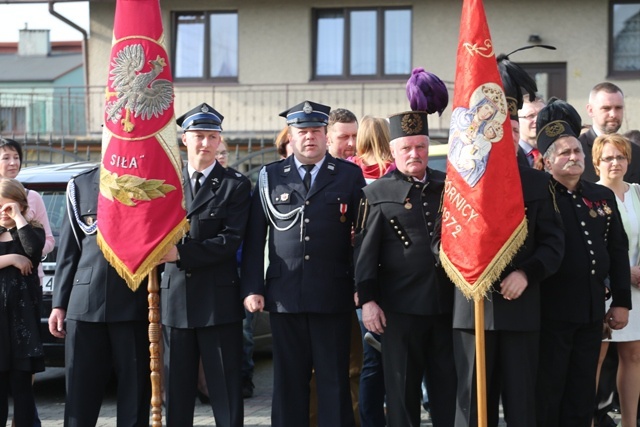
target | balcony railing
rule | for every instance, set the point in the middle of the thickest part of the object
(250, 111)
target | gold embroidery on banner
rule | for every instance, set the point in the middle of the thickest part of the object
(126, 188)
(486, 51)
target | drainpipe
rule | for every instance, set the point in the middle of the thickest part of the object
(85, 58)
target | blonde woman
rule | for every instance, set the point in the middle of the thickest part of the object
(611, 158)
(372, 148)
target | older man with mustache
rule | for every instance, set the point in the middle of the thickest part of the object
(593, 268)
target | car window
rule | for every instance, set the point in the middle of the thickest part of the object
(55, 203)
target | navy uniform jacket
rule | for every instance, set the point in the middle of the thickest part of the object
(589, 174)
(597, 249)
(310, 265)
(203, 288)
(395, 265)
(86, 285)
(538, 258)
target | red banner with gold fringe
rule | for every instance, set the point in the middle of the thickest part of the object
(483, 222)
(141, 204)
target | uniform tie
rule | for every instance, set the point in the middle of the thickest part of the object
(196, 176)
(307, 176)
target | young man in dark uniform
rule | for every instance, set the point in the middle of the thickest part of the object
(305, 205)
(201, 305)
(106, 322)
(595, 265)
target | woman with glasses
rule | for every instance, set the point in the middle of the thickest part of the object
(611, 158)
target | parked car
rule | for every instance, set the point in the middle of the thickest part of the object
(438, 156)
(51, 182)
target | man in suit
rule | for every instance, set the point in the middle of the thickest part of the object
(606, 109)
(527, 146)
(306, 206)
(200, 289)
(106, 322)
(573, 298)
(401, 297)
(512, 307)
(342, 131)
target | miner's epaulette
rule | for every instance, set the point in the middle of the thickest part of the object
(552, 190)
(361, 219)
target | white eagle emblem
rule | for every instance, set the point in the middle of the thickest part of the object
(138, 93)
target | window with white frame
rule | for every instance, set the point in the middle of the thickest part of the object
(205, 46)
(362, 43)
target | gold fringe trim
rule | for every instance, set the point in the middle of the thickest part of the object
(134, 279)
(492, 273)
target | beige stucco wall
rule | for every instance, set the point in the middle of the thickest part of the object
(275, 48)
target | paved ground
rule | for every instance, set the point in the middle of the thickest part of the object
(49, 389)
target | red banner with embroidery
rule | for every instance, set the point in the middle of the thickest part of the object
(483, 222)
(141, 204)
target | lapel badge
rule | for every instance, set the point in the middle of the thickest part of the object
(284, 197)
(287, 169)
(331, 166)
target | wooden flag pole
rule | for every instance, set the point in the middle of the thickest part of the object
(481, 371)
(154, 349)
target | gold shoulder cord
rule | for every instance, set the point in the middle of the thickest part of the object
(552, 190)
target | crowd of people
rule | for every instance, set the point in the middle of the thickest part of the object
(339, 242)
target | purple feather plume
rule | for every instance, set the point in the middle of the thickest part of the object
(426, 92)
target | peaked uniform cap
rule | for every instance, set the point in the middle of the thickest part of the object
(202, 117)
(307, 114)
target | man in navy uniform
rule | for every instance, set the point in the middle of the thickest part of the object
(200, 289)
(106, 322)
(594, 267)
(306, 206)
(401, 297)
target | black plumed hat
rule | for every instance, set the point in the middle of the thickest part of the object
(557, 119)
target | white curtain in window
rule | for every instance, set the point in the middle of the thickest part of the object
(363, 42)
(397, 42)
(330, 44)
(224, 44)
(189, 47)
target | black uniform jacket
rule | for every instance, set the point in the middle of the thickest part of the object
(395, 265)
(310, 266)
(596, 250)
(86, 285)
(203, 288)
(589, 174)
(539, 257)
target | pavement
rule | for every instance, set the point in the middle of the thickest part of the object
(49, 390)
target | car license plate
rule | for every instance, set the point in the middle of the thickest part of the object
(47, 284)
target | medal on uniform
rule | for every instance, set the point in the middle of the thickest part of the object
(407, 204)
(343, 211)
(592, 213)
(607, 209)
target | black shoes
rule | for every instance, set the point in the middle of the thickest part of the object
(247, 388)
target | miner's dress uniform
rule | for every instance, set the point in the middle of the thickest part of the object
(308, 287)
(573, 302)
(512, 326)
(396, 268)
(106, 322)
(201, 306)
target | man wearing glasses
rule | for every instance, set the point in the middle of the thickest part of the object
(527, 116)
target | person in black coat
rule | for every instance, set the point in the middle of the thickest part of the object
(305, 205)
(200, 289)
(401, 297)
(594, 266)
(106, 322)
